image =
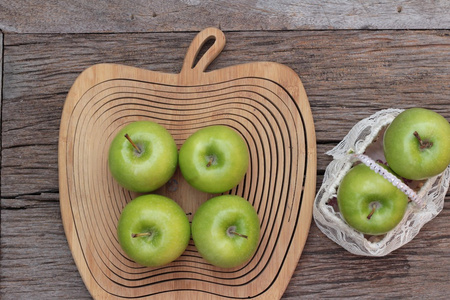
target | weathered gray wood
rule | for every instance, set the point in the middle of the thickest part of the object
(418, 270)
(1, 96)
(28, 16)
(348, 75)
(37, 264)
(1, 64)
(1, 82)
(36, 260)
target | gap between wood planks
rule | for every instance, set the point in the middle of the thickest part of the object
(1, 115)
(1, 101)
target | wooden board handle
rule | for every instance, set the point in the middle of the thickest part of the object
(196, 45)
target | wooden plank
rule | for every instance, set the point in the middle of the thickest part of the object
(37, 264)
(417, 270)
(1, 77)
(348, 75)
(36, 260)
(354, 72)
(1, 83)
(1, 67)
(26, 16)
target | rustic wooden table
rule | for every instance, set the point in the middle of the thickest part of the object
(354, 59)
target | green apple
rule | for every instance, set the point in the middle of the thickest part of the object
(225, 230)
(143, 156)
(417, 144)
(370, 203)
(153, 230)
(214, 159)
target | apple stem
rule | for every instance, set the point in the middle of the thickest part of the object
(132, 143)
(238, 234)
(232, 231)
(135, 235)
(211, 159)
(423, 144)
(374, 207)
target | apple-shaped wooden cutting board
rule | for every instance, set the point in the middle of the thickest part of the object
(265, 102)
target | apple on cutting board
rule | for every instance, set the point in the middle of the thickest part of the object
(153, 230)
(214, 159)
(226, 230)
(143, 156)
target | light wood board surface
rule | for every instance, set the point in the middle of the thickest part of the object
(264, 102)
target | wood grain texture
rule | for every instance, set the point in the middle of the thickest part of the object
(265, 103)
(28, 16)
(37, 264)
(1, 80)
(348, 75)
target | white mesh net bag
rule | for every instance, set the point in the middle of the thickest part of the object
(366, 138)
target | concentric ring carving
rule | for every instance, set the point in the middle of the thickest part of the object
(278, 182)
